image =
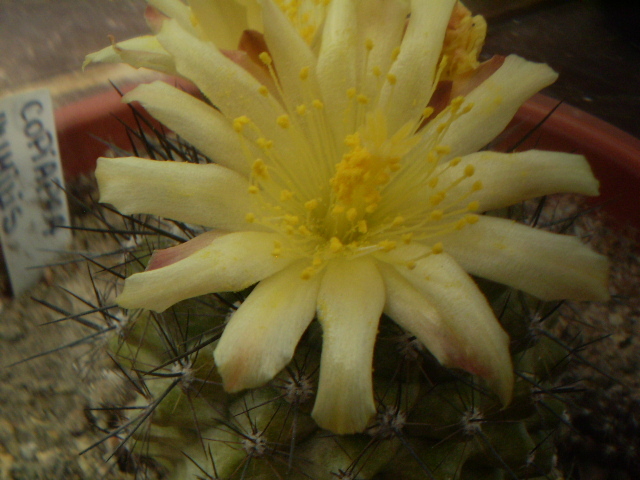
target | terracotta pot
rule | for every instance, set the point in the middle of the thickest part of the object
(613, 154)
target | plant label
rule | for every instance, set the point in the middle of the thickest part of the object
(33, 203)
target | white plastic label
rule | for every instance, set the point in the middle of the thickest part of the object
(32, 200)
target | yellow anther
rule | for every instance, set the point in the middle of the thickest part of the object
(436, 215)
(362, 99)
(371, 208)
(411, 265)
(469, 170)
(291, 219)
(304, 230)
(253, 189)
(376, 71)
(443, 149)
(264, 143)
(352, 214)
(397, 221)
(467, 108)
(456, 161)
(317, 104)
(456, 103)
(264, 91)
(437, 198)
(311, 204)
(240, 122)
(283, 121)
(407, 238)
(477, 186)
(250, 217)
(473, 206)
(286, 195)
(471, 218)
(259, 169)
(194, 20)
(307, 273)
(304, 73)
(391, 78)
(395, 53)
(460, 224)
(265, 58)
(338, 209)
(437, 248)
(427, 112)
(317, 261)
(362, 226)
(301, 109)
(368, 44)
(432, 157)
(433, 183)
(387, 245)
(277, 249)
(289, 230)
(351, 92)
(352, 140)
(335, 245)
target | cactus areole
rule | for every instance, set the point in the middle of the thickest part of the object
(345, 181)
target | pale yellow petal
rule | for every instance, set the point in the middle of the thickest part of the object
(547, 265)
(415, 68)
(208, 195)
(508, 179)
(381, 23)
(350, 303)
(228, 86)
(337, 70)
(290, 55)
(466, 312)
(201, 125)
(230, 263)
(177, 10)
(138, 52)
(221, 22)
(453, 347)
(262, 334)
(495, 101)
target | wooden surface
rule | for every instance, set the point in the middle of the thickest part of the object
(41, 40)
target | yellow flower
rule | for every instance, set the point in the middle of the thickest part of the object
(344, 191)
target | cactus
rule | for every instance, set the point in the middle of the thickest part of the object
(431, 422)
(203, 405)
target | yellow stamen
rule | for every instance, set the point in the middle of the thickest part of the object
(283, 121)
(469, 170)
(240, 122)
(311, 204)
(335, 245)
(387, 245)
(259, 169)
(265, 58)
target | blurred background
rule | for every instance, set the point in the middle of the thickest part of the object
(595, 46)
